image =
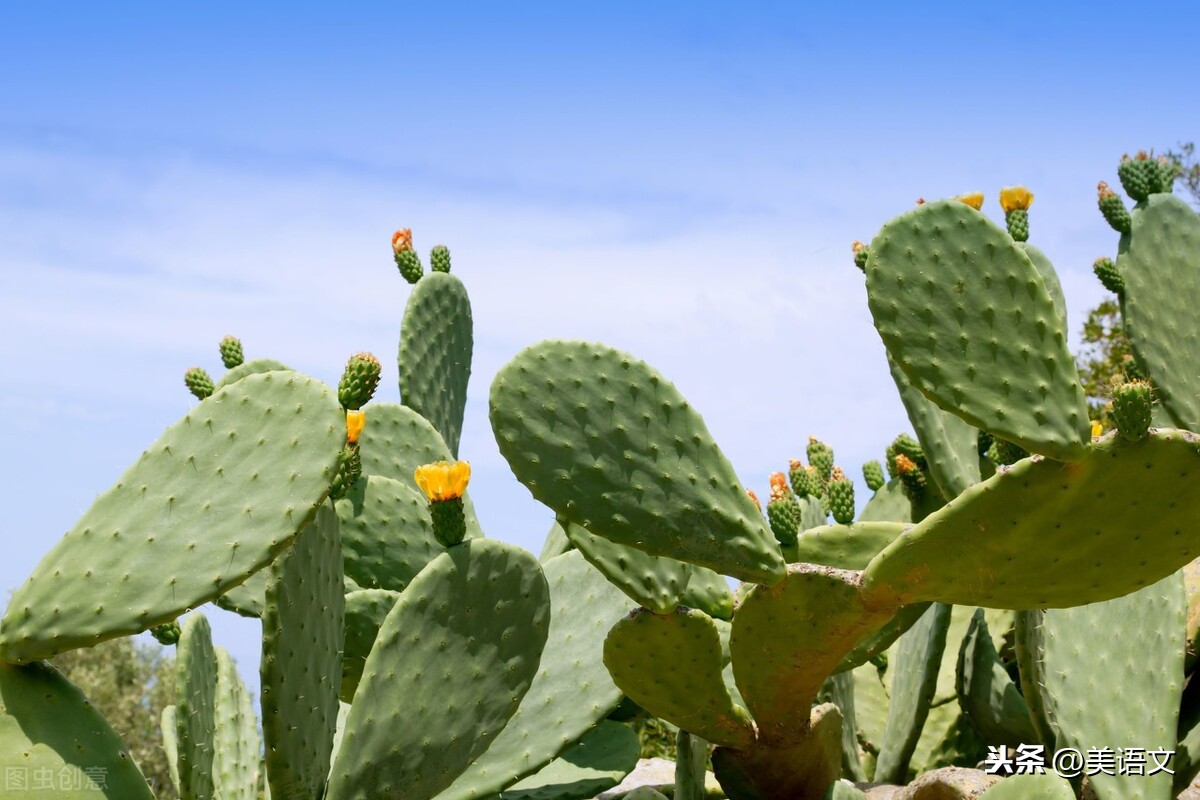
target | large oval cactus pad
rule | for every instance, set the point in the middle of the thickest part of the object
(597, 762)
(1161, 270)
(572, 690)
(237, 747)
(195, 707)
(609, 443)
(211, 502)
(693, 696)
(435, 353)
(449, 668)
(968, 318)
(1043, 534)
(47, 727)
(387, 533)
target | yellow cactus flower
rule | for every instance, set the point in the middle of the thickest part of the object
(754, 497)
(355, 421)
(401, 241)
(857, 247)
(1097, 428)
(443, 480)
(972, 199)
(1015, 197)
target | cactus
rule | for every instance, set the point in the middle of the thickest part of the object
(214, 500)
(841, 497)
(594, 764)
(407, 260)
(199, 383)
(439, 258)
(359, 381)
(195, 708)
(436, 341)
(873, 475)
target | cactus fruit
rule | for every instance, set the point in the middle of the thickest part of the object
(1107, 272)
(783, 511)
(231, 352)
(912, 477)
(820, 456)
(199, 383)
(1112, 207)
(1139, 175)
(798, 476)
(873, 475)
(349, 470)
(167, 633)
(406, 257)
(861, 254)
(841, 497)
(1131, 408)
(1015, 200)
(439, 258)
(359, 381)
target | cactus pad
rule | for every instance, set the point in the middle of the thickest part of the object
(986, 692)
(654, 582)
(253, 367)
(609, 443)
(449, 668)
(597, 762)
(47, 727)
(436, 339)
(1005, 542)
(207, 505)
(365, 609)
(301, 665)
(572, 690)
(968, 318)
(195, 707)
(693, 696)
(236, 744)
(1160, 268)
(387, 533)
(846, 546)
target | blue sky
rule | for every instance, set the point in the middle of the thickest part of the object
(681, 180)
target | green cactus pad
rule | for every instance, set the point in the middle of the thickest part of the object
(888, 504)
(449, 668)
(966, 315)
(253, 367)
(210, 503)
(365, 609)
(918, 655)
(1134, 662)
(301, 661)
(435, 354)
(875, 643)
(169, 727)
(48, 728)
(1042, 262)
(657, 583)
(691, 766)
(1162, 293)
(816, 611)
(986, 692)
(246, 598)
(236, 743)
(846, 546)
(387, 533)
(555, 545)
(1030, 787)
(839, 690)
(609, 443)
(693, 696)
(947, 442)
(1006, 542)
(653, 582)
(397, 440)
(572, 690)
(804, 770)
(597, 762)
(1027, 649)
(195, 707)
